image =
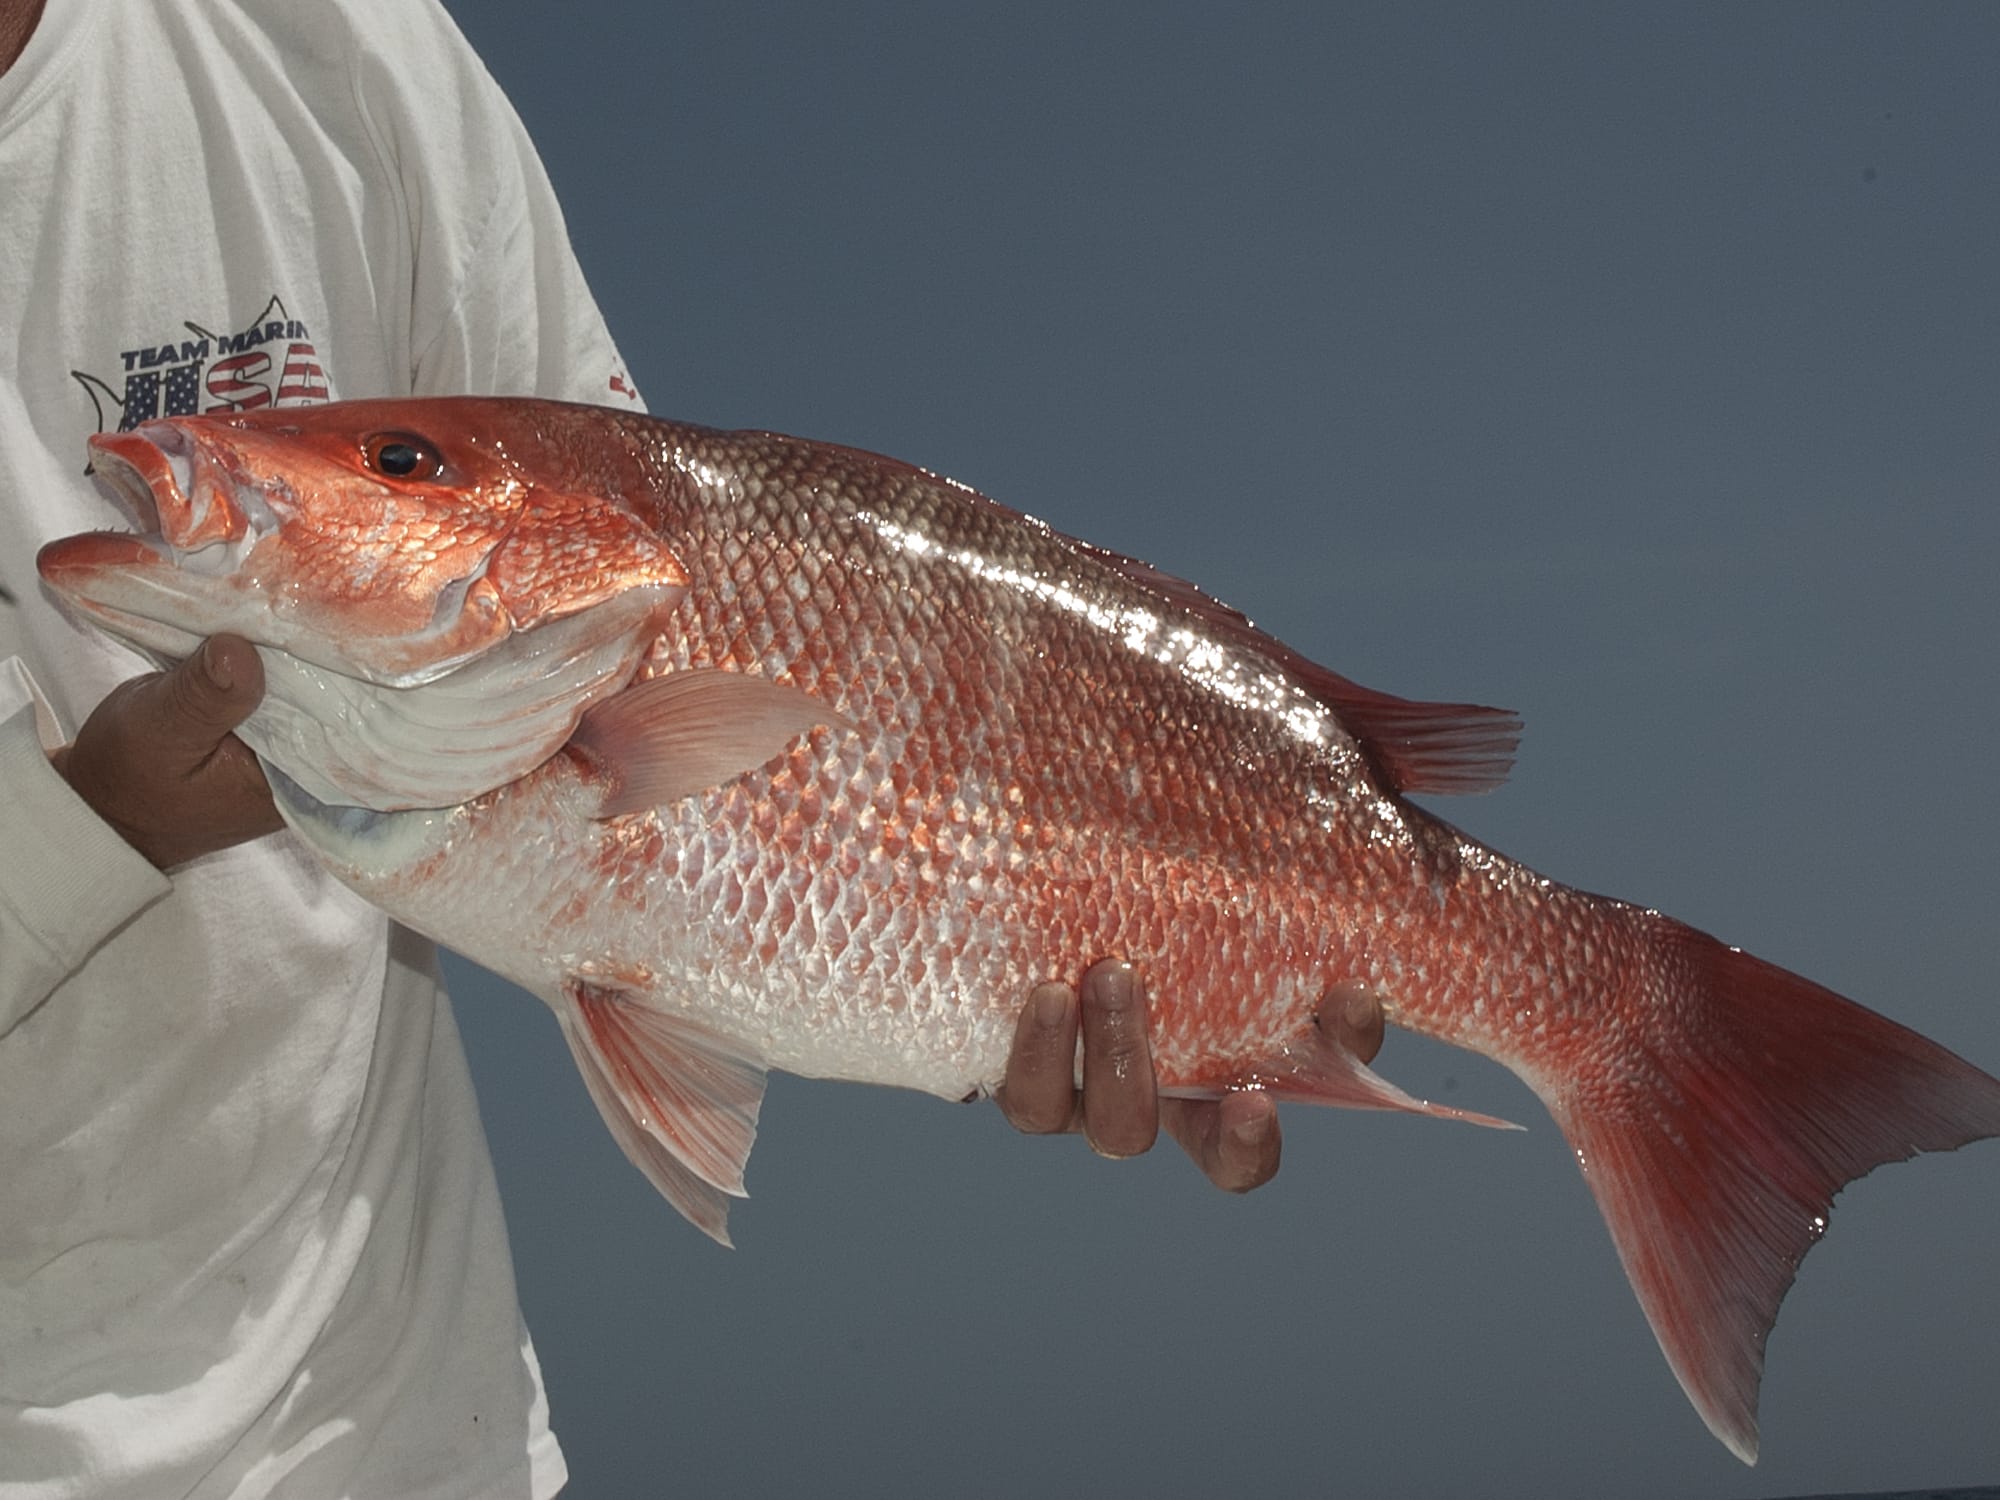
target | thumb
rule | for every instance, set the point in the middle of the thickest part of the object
(1352, 1013)
(209, 694)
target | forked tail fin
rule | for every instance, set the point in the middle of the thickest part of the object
(1715, 1144)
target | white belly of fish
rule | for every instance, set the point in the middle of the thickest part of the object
(685, 912)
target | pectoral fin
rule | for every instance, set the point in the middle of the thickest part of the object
(672, 736)
(681, 1100)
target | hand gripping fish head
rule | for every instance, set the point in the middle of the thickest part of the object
(433, 616)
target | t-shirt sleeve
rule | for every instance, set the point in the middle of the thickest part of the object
(67, 881)
(499, 305)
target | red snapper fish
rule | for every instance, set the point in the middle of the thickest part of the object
(745, 752)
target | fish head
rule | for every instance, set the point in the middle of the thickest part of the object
(429, 574)
(359, 536)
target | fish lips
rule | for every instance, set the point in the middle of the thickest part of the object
(165, 586)
(176, 486)
(182, 575)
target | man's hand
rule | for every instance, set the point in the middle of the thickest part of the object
(1234, 1139)
(156, 759)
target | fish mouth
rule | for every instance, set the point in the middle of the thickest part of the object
(191, 495)
(132, 470)
(197, 563)
(165, 584)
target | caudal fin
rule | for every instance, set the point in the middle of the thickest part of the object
(1716, 1142)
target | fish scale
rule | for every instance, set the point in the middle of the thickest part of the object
(1027, 873)
(745, 752)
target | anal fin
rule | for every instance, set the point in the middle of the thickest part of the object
(1317, 1069)
(681, 1100)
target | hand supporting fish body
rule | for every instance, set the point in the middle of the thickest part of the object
(745, 753)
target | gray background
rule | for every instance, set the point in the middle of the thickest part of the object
(1631, 368)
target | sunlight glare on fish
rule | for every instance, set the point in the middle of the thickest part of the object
(1205, 662)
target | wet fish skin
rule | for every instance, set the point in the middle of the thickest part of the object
(893, 753)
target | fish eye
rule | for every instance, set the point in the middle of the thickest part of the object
(401, 455)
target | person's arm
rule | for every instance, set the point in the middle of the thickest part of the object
(87, 829)
(499, 305)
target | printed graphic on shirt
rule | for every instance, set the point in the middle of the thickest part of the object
(270, 361)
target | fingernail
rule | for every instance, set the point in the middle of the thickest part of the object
(1049, 1005)
(1116, 985)
(218, 669)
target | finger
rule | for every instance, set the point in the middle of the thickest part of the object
(206, 696)
(1353, 1016)
(1121, 1107)
(1235, 1140)
(1038, 1094)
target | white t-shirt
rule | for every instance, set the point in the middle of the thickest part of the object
(250, 1242)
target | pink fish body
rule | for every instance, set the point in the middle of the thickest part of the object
(746, 753)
